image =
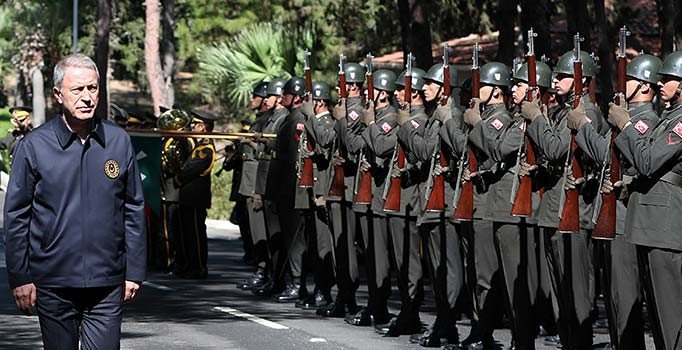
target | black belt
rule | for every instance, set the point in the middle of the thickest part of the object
(672, 178)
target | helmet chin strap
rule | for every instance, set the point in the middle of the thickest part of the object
(490, 97)
(632, 95)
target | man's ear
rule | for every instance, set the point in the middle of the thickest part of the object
(57, 95)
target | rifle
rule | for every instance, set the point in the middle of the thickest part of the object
(604, 216)
(363, 179)
(522, 186)
(304, 165)
(569, 202)
(393, 190)
(435, 186)
(464, 192)
(337, 187)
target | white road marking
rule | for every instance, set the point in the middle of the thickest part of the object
(252, 318)
(318, 340)
(158, 286)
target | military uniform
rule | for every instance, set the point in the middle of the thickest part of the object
(653, 215)
(10, 141)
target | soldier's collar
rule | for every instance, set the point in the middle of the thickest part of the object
(65, 136)
(320, 115)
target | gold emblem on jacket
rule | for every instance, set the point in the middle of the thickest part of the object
(111, 169)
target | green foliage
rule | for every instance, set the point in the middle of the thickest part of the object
(221, 207)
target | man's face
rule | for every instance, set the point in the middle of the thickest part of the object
(271, 101)
(400, 95)
(485, 92)
(78, 93)
(519, 91)
(255, 102)
(563, 84)
(668, 86)
(199, 127)
(431, 91)
(287, 100)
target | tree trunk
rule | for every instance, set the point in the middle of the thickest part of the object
(102, 55)
(415, 32)
(605, 53)
(535, 14)
(151, 54)
(578, 22)
(505, 17)
(168, 49)
(38, 87)
(670, 25)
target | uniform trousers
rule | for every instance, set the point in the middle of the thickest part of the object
(293, 241)
(374, 230)
(319, 248)
(240, 216)
(546, 304)
(259, 235)
(343, 226)
(404, 240)
(515, 245)
(194, 240)
(91, 315)
(661, 271)
(170, 229)
(569, 258)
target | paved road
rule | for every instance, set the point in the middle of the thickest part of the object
(172, 313)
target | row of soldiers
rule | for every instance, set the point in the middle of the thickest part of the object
(539, 272)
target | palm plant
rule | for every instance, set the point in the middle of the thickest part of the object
(231, 69)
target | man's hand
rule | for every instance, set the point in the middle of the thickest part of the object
(444, 113)
(608, 187)
(258, 137)
(576, 117)
(473, 114)
(530, 110)
(618, 116)
(320, 201)
(257, 201)
(468, 176)
(337, 160)
(131, 289)
(525, 169)
(396, 172)
(572, 182)
(339, 111)
(365, 166)
(440, 170)
(25, 297)
(307, 107)
(403, 116)
(368, 115)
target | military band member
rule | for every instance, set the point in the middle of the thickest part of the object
(22, 122)
(653, 218)
(194, 181)
(568, 254)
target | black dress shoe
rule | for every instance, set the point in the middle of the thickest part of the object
(267, 290)
(314, 302)
(553, 341)
(335, 310)
(361, 319)
(436, 337)
(290, 294)
(401, 326)
(257, 280)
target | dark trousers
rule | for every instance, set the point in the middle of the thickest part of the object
(240, 217)
(290, 258)
(661, 271)
(170, 231)
(546, 304)
(570, 264)
(343, 226)
(445, 267)
(375, 240)
(515, 248)
(194, 241)
(320, 245)
(624, 294)
(259, 235)
(404, 240)
(91, 315)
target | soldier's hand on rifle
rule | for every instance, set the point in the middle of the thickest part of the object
(257, 201)
(572, 182)
(473, 114)
(365, 166)
(308, 108)
(468, 175)
(608, 187)
(397, 172)
(577, 117)
(525, 169)
(368, 115)
(337, 160)
(339, 111)
(618, 116)
(444, 113)
(403, 116)
(320, 201)
(440, 170)
(530, 110)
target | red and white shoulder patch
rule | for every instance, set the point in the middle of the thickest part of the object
(386, 127)
(300, 126)
(353, 115)
(522, 126)
(678, 129)
(414, 123)
(497, 124)
(641, 127)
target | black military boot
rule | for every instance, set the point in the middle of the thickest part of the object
(315, 301)
(293, 292)
(255, 281)
(442, 332)
(406, 323)
(362, 318)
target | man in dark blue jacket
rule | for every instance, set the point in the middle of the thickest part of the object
(74, 218)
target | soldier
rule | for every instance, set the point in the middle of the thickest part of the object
(289, 198)
(21, 120)
(344, 221)
(194, 181)
(247, 188)
(653, 210)
(437, 232)
(118, 115)
(568, 254)
(277, 114)
(320, 241)
(621, 274)
(403, 223)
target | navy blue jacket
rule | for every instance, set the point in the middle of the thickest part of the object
(74, 212)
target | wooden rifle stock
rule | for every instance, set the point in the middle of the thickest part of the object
(363, 194)
(307, 176)
(436, 199)
(570, 213)
(605, 225)
(338, 186)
